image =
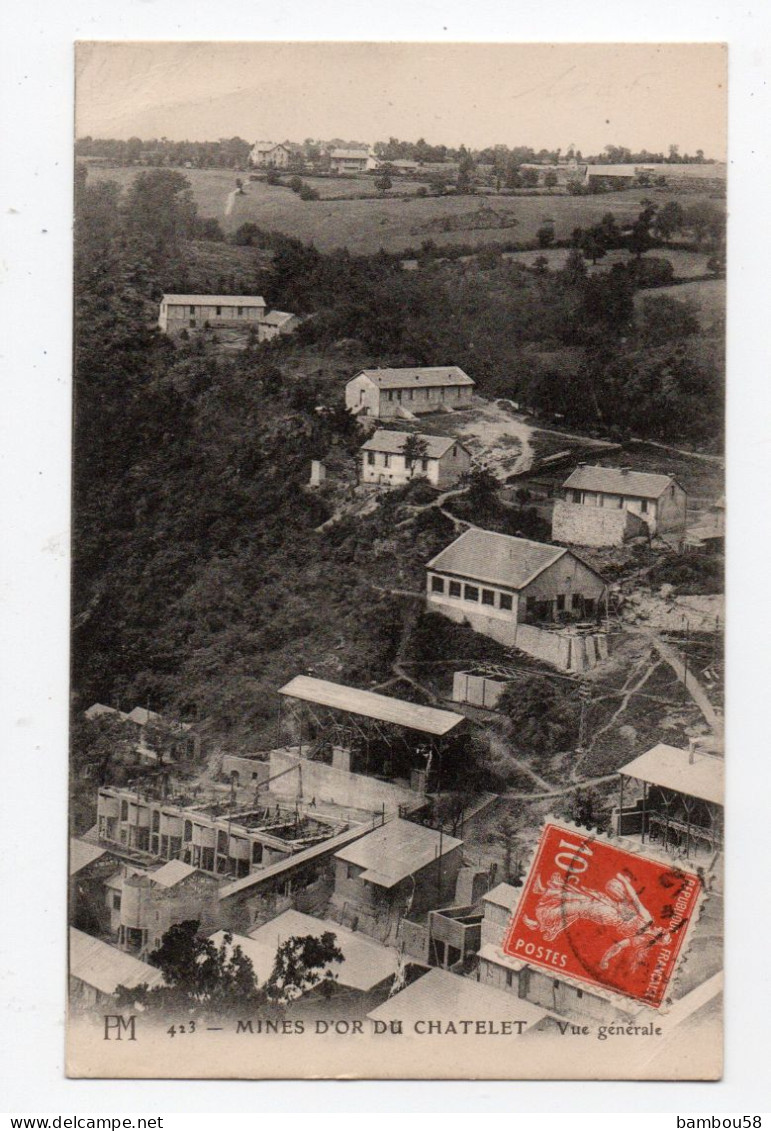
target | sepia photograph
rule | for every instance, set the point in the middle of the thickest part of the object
(398, 544)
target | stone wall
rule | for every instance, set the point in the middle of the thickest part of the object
(328, 783)
(593, 526)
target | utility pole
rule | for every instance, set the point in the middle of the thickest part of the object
(685, 673)
(584, 698)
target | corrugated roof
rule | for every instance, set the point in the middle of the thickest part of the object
(614, 481)
(440, 994)
(697, 775)
(216, 300)
(82, 854)
(141, 716)
(498, 559)
(370, 705)
(384, 440)
(105, 967)
(503, 895)
(396, 850)
(366, 962)
(417, 378)
(173, 873)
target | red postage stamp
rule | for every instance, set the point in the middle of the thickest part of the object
(602, 915)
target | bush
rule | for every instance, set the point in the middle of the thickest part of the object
(308, 193)
(650, 271)
(295, 183)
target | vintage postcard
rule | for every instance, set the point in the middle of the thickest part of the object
(398, 539)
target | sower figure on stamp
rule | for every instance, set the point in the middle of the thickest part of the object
(618, 907)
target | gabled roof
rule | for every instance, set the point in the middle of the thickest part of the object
(366, 962)
(173, 873)
(370, 705)
(385, 440)
(416, 378)
(141, 716)
(498, 559)
(277, 318)
(97, 710)
(694, 774)
(395, 851)
(82, 854)
(105, 967)
(615, 481)
(215, 300)
(503, 895)
(343, 154)
(454, 998)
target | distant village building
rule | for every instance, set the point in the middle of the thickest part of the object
(399, 868)
(405, 393)
(677, 800)
(275, 323)
(604, 506)
(384, 462)
(503, 585)
(153, 738)
(233, 312)
(682, 173)
(269, 155)
(351, 161)
(97, 969)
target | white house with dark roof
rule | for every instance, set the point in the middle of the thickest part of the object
(384, 459)
(499, 584)
(270, 155)
(194, 312)
(603, 506)
(408, 392)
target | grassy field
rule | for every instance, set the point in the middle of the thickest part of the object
(707, 295)
(364, 226)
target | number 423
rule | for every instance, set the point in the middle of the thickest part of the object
(175, 1030)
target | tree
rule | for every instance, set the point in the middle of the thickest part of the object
(543, 715)
(529, 177)
(669, 220)
(302, 963)
(575, 268)
(640, 239)
(586, 808)
(415, 449)
(199, 977)
(666, 319)
(383, 183)
(545, 235)
(550, 178)
(592, 243)
(159, 205)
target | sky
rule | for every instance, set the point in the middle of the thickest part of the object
(643, 96)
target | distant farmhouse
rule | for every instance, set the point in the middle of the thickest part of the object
(276, 323)
(233, 312)
(224, 312)
(406, 393)
(268, 155)
(682, 174)
(351, 161)
(604, 506)
(385, 459)
(519, 593)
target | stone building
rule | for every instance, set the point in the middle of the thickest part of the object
(196, 312)
(604, 506)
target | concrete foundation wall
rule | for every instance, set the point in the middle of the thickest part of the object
(327, 783)
(593, 526)
(477, 690)
(250, 771)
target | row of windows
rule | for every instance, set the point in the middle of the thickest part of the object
(428, 392)
(612, 501)
(472, 593)
(371, 460)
